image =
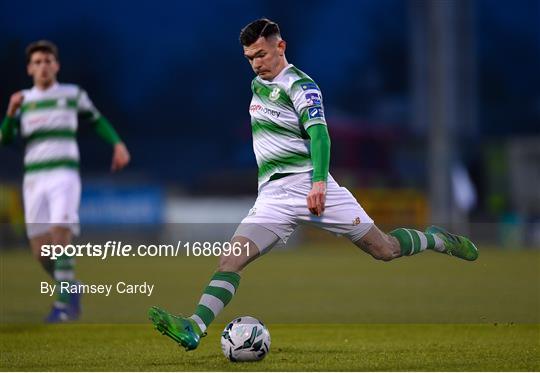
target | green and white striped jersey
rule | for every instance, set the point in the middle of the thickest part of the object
(281, 111)
(49, 120)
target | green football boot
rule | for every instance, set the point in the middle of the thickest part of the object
(182, 330)
(455, 245)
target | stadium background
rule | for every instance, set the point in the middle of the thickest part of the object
(173, 81)
(434, 114)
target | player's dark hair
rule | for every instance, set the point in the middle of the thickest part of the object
(44, 46)
(260, 27)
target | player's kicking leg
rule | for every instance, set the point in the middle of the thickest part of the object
(404, 241)
(187, 331)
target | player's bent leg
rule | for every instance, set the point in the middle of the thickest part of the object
(342, 208)
(399, 242)
(406, 242)
(437, 239)
(412, 241)
(379, 245)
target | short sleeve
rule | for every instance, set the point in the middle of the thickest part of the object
(86, 107)
(307, 100)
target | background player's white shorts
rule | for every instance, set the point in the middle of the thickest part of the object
(51, 198)
(281, 205)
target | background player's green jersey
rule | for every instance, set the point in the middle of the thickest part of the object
(281, 111)
(48, 121)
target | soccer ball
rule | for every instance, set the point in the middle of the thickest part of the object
(245, 339)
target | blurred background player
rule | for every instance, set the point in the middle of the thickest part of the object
(292, 148)
(47, 118)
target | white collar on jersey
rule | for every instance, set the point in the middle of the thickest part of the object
(53, 86)
(281, 73)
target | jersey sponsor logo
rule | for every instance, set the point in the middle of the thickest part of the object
(313, 98)
(307, 86)
(36, 120)
(315, 112)
(274, 95)
(256, 107)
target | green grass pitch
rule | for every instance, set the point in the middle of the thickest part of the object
(310, 347)
(328, 307)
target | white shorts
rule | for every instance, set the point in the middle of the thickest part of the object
(281, 205)
(51, 198)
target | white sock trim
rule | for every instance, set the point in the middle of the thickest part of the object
(439, 244)
(222, 284)
(412, 242)
(199, 322)
(64, 275)
(214, 303)
(423, 240)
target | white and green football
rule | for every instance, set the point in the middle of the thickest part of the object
(245, 339)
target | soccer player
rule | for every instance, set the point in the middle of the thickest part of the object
(292, 147)
(47, 118)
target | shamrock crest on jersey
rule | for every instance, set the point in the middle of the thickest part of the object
(274, 95)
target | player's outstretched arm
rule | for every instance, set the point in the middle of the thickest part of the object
(105, 130)
(320, 157)
(11, 122)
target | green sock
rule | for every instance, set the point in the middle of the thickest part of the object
(412, 241)
(216, 296)
(63, 272)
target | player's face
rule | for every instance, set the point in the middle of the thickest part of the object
(43, 68)
(266, 57)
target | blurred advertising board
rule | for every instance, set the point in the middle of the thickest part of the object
(114, 204)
